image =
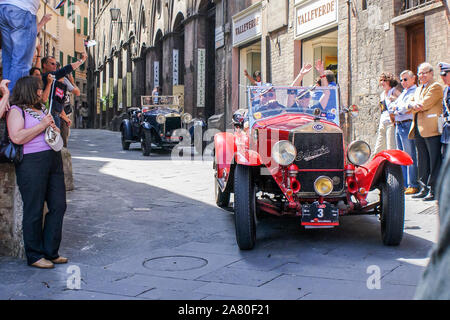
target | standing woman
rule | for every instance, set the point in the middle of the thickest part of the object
(386, 128)
(40, 175)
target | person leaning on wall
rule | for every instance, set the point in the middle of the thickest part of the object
(39, 175)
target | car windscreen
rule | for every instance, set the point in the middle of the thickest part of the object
(271, 101)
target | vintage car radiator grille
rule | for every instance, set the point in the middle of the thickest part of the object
(320, 155)
(172, 123)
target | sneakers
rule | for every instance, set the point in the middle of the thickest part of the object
(411, 190)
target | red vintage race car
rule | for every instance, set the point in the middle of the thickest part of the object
(287, 156)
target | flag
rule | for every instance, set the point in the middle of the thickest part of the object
(60, 4)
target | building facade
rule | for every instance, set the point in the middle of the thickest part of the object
(201, 48)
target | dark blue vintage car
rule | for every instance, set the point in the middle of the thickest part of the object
(155, 125)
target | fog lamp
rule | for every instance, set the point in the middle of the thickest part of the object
(323, 186)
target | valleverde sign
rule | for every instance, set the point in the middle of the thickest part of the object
(315, 16)
(247, 25)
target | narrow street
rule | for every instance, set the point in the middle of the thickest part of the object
(148, 228)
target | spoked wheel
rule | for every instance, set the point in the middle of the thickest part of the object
(125, 145)
(244, 207)
(392, 202)
(147, 143)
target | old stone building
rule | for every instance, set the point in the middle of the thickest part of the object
(202, 48)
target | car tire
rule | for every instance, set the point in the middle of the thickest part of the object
(125, 145)
(244, 207)
(147, 143)
(392, 200)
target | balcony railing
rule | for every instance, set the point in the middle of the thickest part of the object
(410, 5)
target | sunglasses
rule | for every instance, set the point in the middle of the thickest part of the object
(403, 80)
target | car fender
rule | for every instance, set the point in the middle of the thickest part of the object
(127, 130)
(244, 155)
(368, 176)
(225, 149)
(147, 126)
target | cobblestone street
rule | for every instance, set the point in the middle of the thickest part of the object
(148, 228)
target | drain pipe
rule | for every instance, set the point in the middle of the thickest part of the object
(349, 69)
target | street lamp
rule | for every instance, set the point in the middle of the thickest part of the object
(115, 14)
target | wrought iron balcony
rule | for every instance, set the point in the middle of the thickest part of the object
(410, 5)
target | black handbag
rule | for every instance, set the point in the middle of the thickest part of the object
(9, 151)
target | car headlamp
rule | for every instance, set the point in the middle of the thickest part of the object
(284, 153)
(358, 152)
(160, 118)
(323, 186)
(186, 118)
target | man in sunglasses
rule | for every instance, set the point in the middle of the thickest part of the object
(426, 107)
(403, 120)
(445, 76)
(49, 65)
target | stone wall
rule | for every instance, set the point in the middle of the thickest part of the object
(11, 240)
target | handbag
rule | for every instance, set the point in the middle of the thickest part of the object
(9, 151)
(53, 137)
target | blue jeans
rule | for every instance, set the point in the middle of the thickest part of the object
(407, 145)
(19, 30)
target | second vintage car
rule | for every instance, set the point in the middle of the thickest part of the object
(287, 156)
(154, 125)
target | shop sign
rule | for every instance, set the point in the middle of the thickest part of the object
(220, 37)
(316, 16)
(119, 93)
(247, 27)
(129, 89)
(201, 78)
(176, 64)
(155, 74)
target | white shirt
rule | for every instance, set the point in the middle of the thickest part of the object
(27, 5)
(385, 118)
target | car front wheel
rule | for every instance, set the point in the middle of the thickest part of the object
(392, 205)
(147, 143)
(244, 207)
(125, 145)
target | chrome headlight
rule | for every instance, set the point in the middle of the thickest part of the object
(186, 118)
(160, 118)
(284, 153)
(358, 152)
(323, 186)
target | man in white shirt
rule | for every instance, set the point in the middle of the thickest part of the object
(19, 30)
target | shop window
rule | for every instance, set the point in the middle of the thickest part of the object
(364, 4)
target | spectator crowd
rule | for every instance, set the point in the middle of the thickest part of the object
(35, 97)
(416, 120)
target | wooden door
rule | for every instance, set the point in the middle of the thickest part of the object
(415, 46)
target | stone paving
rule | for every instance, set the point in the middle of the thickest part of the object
(148, 228)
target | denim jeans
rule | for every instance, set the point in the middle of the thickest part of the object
(19, 30)
(407, 145)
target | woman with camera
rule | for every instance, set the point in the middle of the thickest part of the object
(40, 175)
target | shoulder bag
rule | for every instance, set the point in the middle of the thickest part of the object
(53, 137)
(9, 151)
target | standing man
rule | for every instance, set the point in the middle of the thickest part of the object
(19, 30)
(49, 66)
(427, 107)
(403, 121)
(445, 138)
